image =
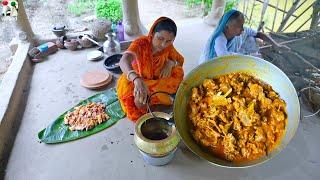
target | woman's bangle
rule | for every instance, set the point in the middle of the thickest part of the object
(137, 77)
(129, 73)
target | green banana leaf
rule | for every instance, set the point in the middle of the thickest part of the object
(58, 132)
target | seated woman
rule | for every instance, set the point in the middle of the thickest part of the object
(230, 37)
(150, 64)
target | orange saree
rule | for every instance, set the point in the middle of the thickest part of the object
(149, 66)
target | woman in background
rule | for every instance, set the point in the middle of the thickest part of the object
(230, 37)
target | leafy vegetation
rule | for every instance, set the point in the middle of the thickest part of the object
(109, 9)
(230, 4)
(208, 3)
(79, 7)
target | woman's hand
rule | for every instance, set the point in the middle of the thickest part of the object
(166, 71)
(275, 45)
(140, 93)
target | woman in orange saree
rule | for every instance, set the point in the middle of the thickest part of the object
(150, 64)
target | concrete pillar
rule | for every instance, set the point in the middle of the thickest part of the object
(23, 23)
(215, 13)
(131, 19)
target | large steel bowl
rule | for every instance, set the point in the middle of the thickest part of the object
(259, 68)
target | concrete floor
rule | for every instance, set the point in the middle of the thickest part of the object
(111, 154)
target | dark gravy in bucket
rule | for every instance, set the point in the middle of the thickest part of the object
(154, 129)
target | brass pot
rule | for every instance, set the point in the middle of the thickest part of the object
(156, 146)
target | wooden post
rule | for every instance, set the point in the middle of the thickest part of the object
(131, 18)
(260, 27)
(300, 4)
(298, 17)
(247, 7)
(253, 5)
(285, 9)
(290, 12)
(244, 6)
(275, 15)
(315, 15)
(263, 11)
(23, 22)
(215, 13)
(302, 24)
(279, 9)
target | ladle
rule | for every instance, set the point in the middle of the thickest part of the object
(163, 121)
(95, 42)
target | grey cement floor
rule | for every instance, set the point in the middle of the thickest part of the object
(111, 154)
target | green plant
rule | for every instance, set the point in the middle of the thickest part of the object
(192, 3)
(208, 3)
(230, 4)
(109, 9)
(78, 7)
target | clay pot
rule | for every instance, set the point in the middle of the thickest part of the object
(99, 28)
(85, 43)
(60, 42)
(34, 52)
(71, 44)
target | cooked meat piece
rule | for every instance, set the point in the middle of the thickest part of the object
(86, 117)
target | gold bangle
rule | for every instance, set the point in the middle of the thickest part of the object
(130, 72)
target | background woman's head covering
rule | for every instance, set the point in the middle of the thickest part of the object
(209, 52)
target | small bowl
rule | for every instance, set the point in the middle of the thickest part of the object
(59, 30)
(111, 63)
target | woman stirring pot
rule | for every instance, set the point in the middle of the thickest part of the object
(150, 64)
